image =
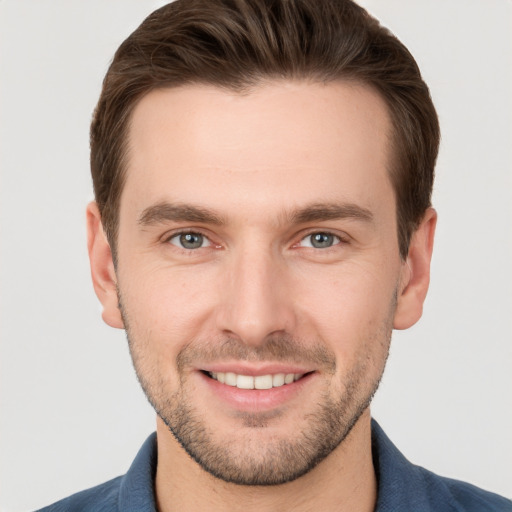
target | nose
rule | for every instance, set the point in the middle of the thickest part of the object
(256, 300)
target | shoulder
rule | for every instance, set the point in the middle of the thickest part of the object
(132, 492)
(405, 486)
(101, 498)
(458, 496)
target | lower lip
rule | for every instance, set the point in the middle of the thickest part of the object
(256, 399)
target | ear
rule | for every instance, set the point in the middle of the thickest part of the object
(415, 276)
(102, 268)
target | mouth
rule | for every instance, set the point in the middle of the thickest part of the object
(267, 381)
(256, 389)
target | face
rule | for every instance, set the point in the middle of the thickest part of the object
(258, 269)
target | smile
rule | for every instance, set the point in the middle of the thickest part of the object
(258, 382)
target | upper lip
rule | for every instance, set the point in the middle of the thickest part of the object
(255, 370)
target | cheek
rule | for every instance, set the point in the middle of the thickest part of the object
(162, 315)
(347, 307)
(166, 306)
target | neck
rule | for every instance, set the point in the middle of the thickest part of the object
(345, 480)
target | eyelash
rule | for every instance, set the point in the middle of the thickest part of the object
(188, 232)
(341, 240)
(337, 240)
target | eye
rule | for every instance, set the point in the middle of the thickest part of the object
(189, 240)
(320, 240)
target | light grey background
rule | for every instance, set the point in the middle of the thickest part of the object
(72, 414)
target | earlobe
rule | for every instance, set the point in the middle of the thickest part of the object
(102, 268)
(416, 273)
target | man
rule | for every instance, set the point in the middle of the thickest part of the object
(263, 173)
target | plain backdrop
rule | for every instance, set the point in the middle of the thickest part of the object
(72, 414)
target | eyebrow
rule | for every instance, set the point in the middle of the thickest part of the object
(317, 212)
(165, 212)
(330, 211)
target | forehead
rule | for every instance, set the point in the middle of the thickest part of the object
(195, 142)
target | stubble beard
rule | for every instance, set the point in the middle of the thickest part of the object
(248, 460)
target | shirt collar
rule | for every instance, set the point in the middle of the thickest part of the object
(136, 493)
(401, 484)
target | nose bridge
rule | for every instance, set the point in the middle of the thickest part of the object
(253, 305)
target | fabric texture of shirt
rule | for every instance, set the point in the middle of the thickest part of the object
(402, 486)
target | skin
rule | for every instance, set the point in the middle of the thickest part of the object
(257, 296)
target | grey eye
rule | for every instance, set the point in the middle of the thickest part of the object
(189, 240)
(320, 240)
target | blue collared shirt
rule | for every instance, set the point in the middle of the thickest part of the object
(402, 486)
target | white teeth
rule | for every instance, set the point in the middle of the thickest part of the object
(229, 379)
(244, 382)
(263, 382)
(260, 382)
(278, 380)
(289, 378)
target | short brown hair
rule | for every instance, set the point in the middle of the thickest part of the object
(237, 44)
